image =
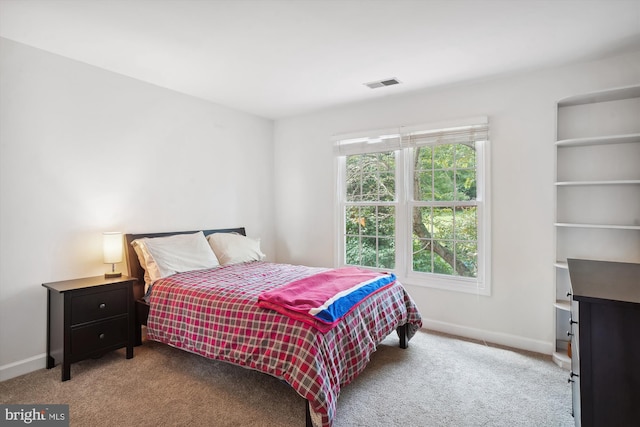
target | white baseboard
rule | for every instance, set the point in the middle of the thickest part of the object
(22, 367)
(499, 338)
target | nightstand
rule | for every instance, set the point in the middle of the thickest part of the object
(87, 318)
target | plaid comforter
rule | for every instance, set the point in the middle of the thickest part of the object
(214, 313)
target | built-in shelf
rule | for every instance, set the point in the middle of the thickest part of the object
(594, 183)
(561, 359)
(617, 94)
(600, 140)
(563, 304)
(605, 226)
(597, 179)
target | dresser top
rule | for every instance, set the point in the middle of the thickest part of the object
(606, 280)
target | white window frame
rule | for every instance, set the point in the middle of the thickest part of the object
(370, 141)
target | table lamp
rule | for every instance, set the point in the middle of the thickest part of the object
(112, 251)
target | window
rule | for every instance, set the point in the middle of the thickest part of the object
(415, 201)
(370, 210)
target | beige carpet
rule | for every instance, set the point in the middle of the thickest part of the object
(438, 381)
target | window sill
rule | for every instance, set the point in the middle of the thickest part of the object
(470, 286)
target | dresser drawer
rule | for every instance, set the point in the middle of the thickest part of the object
(98, 305)
(100, 335)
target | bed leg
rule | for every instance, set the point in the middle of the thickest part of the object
(138, 334)
(141, 316)
(308, 422)
(403, 334)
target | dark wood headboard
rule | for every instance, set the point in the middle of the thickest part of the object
(133, 265)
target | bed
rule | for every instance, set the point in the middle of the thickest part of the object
(214, 312)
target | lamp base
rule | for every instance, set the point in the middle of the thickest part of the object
(112, 275)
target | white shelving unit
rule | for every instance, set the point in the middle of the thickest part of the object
(597, 190)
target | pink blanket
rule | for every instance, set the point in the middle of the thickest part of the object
(323, 299)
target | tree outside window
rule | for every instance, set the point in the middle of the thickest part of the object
(416, 204)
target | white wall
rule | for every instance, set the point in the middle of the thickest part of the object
(521, 110)
(82, 151)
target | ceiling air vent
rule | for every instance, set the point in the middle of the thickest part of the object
(382, 83)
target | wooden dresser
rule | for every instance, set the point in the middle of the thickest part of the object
(605, 368)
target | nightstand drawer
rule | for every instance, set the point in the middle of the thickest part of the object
(98, 305)
(97, 336)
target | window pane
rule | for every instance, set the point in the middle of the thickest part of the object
(422, 225)
(386, 166)
(352, 250)
(353, 179)
(466, 184)
(422, 257)
(387, 161)
(423, 158)
(443, 260)
(442, 223)
(370, 189)
(352, 220)
(423, 189)
(465, 156)
(443, 156)
(423, 231)
(386, 253)
(386, 221)
(443, 185)
(369, 252)
(367, 221)
(387, 187)
(466, 220)
(467, 258)
(445, 240)
(370, 236)
(371, 177)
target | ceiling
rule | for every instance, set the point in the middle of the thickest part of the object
(280, 58)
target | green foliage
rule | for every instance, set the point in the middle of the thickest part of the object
(453, 229)
(370, 235)
(445, 240)
(371, 177)
(445, 173)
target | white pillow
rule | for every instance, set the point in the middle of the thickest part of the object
(142, 254)
(165, 256)
(233, 248)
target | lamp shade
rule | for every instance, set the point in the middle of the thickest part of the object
(112, 247)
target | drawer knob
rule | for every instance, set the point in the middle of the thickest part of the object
(103, 305)
(569, 334)
(571, 321)
(101, 336)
